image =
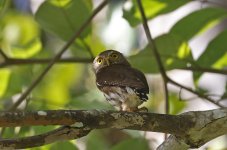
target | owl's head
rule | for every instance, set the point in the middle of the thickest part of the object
(108, 58)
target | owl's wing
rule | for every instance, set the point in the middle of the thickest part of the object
(123, 76)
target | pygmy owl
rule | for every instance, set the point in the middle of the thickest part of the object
(123, 86)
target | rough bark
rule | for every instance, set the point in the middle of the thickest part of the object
(188, 130)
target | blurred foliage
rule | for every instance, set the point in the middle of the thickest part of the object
(174, 51)
(159, 7)
(72, 14)
(176, 105)
(4, 78)
(96, 140)
(19, 35)
(71, 86)
(132, 144)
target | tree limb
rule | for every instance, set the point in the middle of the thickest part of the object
(196, 93)
(18, 61)
(191, 129)
(60, 134)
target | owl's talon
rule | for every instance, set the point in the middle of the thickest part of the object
(142, 109)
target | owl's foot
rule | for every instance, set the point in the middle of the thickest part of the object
(133, 109)
(142, 109)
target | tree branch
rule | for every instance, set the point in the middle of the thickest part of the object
(151, 40)
(16, 61)
(156, 54)
(192, 129)
(197, 93)
(58, 56)
(202, 69)
(60, 134)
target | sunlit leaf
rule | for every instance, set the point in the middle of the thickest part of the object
(64, 18)
(132, 144)
(19, 35)
(4, 79)
(174, 51)
(152, 8)
(221, 62)
(215, 55)
(198, 22)
(28, 50)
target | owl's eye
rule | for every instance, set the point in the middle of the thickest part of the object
(99, 60)
(115, 56)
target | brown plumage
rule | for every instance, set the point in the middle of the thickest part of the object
(123, 86)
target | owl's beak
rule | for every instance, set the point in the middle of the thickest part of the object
(107, 61)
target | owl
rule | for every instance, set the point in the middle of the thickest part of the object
(123, 86)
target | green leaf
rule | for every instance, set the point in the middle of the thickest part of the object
(221, 62)
(96, 140)
(56, 86)
(152, 9)
(64, 18)
(20, 77)
(132, 144)
(19, 35)
(9, 132)
(4, 79)
(26, 51)
(198, 22)
(42, 129)
(175, 53)
(176, 105)
(215, 50)
(94, 100)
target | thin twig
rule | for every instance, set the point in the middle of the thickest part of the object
(207, 95)
(157, 56)
(58, 56)
(202, 69)
(194, 66)
(88, 48)
(196, 93)
(61, 134)
(155, 52)
(16, 61)
(151, 40)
